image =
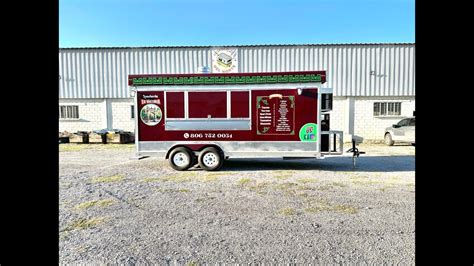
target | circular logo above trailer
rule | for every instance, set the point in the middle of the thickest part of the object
(309, 132)
(151, 114)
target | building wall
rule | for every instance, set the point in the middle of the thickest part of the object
(122, 118)
(96, 114)
(338, 116)
(372, 128)
(363, 122)
(91, 115)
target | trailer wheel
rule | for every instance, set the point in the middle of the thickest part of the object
(211, 159)
(181, 159)
(388, 139)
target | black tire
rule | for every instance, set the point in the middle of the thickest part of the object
(211, 159)
(388, 140)
(184, 159)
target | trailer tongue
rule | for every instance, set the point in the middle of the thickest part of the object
(204, 119)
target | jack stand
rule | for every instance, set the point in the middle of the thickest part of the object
(355, 153)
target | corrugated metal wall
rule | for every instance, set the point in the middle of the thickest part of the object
(353, 70)
(102, 73)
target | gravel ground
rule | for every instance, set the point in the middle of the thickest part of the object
(117, 210)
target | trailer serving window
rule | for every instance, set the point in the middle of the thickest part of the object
(239, 104)
(208, 110)
(207, 104)
(175, 104)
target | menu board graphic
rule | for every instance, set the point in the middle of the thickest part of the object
(275, 115)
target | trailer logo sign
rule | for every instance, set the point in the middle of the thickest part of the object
(309, 132)
(151, 114)
(150, 99)
(224, 60)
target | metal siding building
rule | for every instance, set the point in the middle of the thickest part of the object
(354, 71)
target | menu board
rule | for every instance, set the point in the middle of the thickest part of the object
(275, 115)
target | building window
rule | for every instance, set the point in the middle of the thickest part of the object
(387, 108)
(69, 112)
(132, 111)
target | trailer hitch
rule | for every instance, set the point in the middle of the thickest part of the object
(355, 153)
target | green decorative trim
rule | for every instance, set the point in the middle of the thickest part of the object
(143, 81)
(265, 130)
(261, 99)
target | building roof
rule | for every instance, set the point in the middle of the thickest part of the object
(254, 45)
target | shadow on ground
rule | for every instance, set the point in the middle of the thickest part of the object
(364, 164)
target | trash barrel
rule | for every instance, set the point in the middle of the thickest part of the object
(103, 136)
(125, 137)
(114, 137)
(63, 139)
(79, 137)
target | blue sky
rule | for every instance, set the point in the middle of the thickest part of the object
(105, 23)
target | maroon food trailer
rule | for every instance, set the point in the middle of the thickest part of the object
(204, 119)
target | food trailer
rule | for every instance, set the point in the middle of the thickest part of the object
(204, 119)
